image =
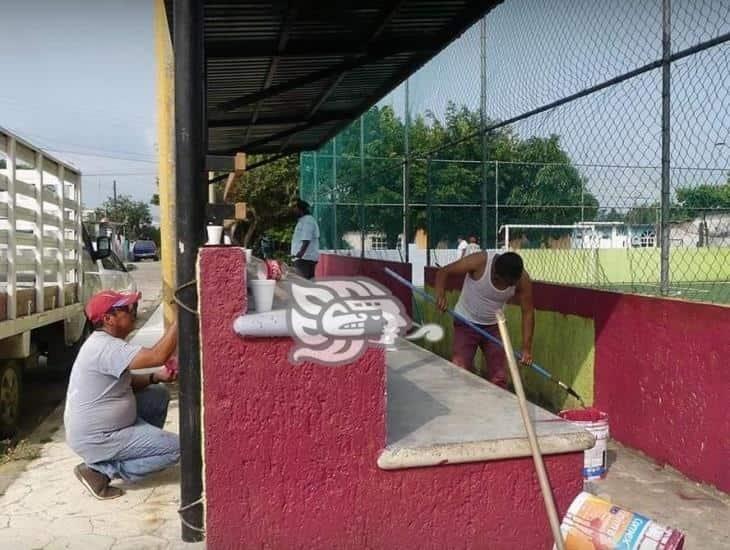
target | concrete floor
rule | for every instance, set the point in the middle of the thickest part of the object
(637, 483)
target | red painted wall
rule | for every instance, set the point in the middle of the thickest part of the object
(662, 373)
(333, 265)
(291, 451)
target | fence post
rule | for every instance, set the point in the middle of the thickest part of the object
(483, 124)
(362, 186)
(407, 175)
(496, 204)
(315, 201)
(429, 221)
(333, 195)
(666, 96)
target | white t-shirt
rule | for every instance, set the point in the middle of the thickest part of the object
(471, 248)
(461, 247)
(306, 230)
(100, 400)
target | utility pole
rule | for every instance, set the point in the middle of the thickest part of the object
(114, 186)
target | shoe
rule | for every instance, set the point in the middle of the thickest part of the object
(97, 483)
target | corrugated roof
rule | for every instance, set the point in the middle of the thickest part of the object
(285, 76)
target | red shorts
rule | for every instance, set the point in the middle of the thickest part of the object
(466, 341)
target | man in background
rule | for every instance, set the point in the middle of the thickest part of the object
(305, 241)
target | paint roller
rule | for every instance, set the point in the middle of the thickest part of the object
(537, 368)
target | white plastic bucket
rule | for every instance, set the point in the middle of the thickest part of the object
(263, 294)
(595, 524)
(595, 464)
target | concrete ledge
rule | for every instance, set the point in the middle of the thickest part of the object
(441, 414)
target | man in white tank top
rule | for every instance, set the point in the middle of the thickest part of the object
(490, 281)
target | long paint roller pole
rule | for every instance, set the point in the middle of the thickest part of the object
(547, 494)
(537, 368)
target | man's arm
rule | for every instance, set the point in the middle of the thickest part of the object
(524, 296)
(468, 264)
(302, 250)
(157, 354)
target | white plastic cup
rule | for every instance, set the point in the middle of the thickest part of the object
(248, 252)
(263, 294)
(215, 232)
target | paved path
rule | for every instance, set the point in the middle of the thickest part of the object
(46, 507)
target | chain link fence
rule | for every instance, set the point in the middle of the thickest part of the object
(599, 148)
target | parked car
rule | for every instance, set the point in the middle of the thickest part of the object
(144, 249)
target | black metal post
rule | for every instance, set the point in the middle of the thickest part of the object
(429, 213)
(407, 176)
(361, 190)
(191, 187)
(666, 150)
(483, 124)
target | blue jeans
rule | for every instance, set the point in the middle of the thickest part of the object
(149, 448)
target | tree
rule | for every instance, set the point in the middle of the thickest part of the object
(700, 199)
(156, 196)
(537, 181)
(135, 215)
(269, 193)
(643, 215)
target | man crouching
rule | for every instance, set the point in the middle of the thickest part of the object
(114, 418)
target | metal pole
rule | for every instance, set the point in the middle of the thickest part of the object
(333, 195)
(483, 124)
(362, 186)
(190, 203)
(407, 176)
(429, 224)
(315, 202)
(666, 95)
(496, 204)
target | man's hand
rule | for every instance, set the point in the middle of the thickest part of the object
(441, 303)
(164, 375)
(526, 358)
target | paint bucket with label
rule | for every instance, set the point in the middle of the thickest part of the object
(592, 523)
(595, 464)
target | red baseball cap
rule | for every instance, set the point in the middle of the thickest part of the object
(103, 301)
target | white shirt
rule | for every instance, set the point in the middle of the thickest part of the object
(461, 247)
(479, 299)
(306, 230)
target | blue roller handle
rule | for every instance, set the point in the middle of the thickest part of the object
(482, 333)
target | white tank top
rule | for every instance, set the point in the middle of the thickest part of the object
(480, 300)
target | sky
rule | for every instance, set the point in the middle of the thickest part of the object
(82, 86)
(78, 80)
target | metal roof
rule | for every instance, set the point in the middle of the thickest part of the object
(286, 76)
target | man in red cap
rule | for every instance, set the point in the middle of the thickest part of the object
(113, 417)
